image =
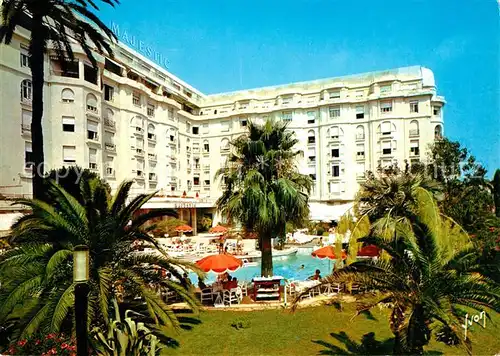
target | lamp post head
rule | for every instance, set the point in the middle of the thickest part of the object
(80, 264)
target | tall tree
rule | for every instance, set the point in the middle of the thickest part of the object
(37, 272)
(496, 191)
(56, 22)
(467, 192)
(263, 188)
(430, 278)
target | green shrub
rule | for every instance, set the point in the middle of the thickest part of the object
(320, 231)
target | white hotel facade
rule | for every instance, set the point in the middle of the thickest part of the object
(131, 119)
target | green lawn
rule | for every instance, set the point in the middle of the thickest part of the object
(311, 331)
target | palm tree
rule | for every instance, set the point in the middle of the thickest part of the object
(37, 272)
(431, 278)
(58, 23)
(263, 187)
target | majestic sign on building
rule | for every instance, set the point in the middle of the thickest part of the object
(142, 47)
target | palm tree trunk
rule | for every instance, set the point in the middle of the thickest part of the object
(398, 348)
(267, 256)
(37, 71)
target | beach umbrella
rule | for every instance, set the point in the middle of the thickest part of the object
(329, 253)
(219, 263)
(369, 251)
(219, 229)
(184, 228)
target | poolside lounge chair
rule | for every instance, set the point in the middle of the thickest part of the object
(207, 295)
(332, 288)
(244, 288)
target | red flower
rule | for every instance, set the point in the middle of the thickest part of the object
(492, 229)
(73, 348)
(472, 236)
(38, 342)
(64, 345)
(12, 350)
(50, 336)
(22, 343)
(53, 351)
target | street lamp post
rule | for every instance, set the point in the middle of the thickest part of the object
(80, 278)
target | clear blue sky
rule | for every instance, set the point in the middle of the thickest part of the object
(226, 45)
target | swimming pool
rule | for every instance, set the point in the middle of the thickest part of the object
(286, 266)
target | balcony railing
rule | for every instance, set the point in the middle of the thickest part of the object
(92, 109)
(94, 138)
(110, 123)
(139, 152)
(152, 156)
(152, 177)
(414, 133)
(111, 147)
(25, 129)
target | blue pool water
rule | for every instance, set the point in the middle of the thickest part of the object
(287, 267)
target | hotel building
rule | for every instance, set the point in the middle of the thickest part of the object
(132, 119)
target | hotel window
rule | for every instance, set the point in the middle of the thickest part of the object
(414, 148)
(196, 130)
(206, 146)
(140, 168)
(28, 155)
(334, 111)
(223, 161)
(311, 137)
(385, 88)
(336, 132)
(334, 94)
(91, 102)
(335, 153)
(386, 147)
(171, 114)
(188, 127)
(151, 132)
(68, 124)
(151, 110)
(286, 116)
(92, 130)
(26, 90)
(360, 133)
(287, 99)
(360, 169)
(224, 144)
(336, 170)
(69, 154)
(108, 92)
(206, 182)
(67, 96)
(26, 117)
(359, 94)
(90, 73)
(360, 111)
(311, 159)
(312, 176)
(414, 128)
(311, 117)
(110, 166)
(25, 59)
(438, 132)
(414, 106)
(385, 106)
(243, 123)
(92, 158)
(196, 180)
(224, 126)
(360, 150)
(436, 110)
(385, 128)
(136, 99)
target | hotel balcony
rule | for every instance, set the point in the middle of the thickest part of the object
(26, 130)
(138, 131)
(110, 173)
(152, 138)
(93, 167)
(139, 175)
(196, 168)
(110, 123)
(153, 177)
(93, 138)
(360, 137)
(414, 133)
(138, 152)
(152, 157)
(110, 147)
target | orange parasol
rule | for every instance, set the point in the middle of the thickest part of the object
(184, 228)
(219, 263)
(328, 252)
(219, 229)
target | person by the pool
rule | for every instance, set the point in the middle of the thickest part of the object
(316, 276)
(302, 267)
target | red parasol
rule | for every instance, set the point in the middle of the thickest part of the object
(219, 229)
(184, 228)
(219, 263)
(328, 252)
(369, 251)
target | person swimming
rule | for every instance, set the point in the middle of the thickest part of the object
(302, 267)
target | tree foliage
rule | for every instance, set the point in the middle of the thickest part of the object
(263, 188)
(37, 272)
